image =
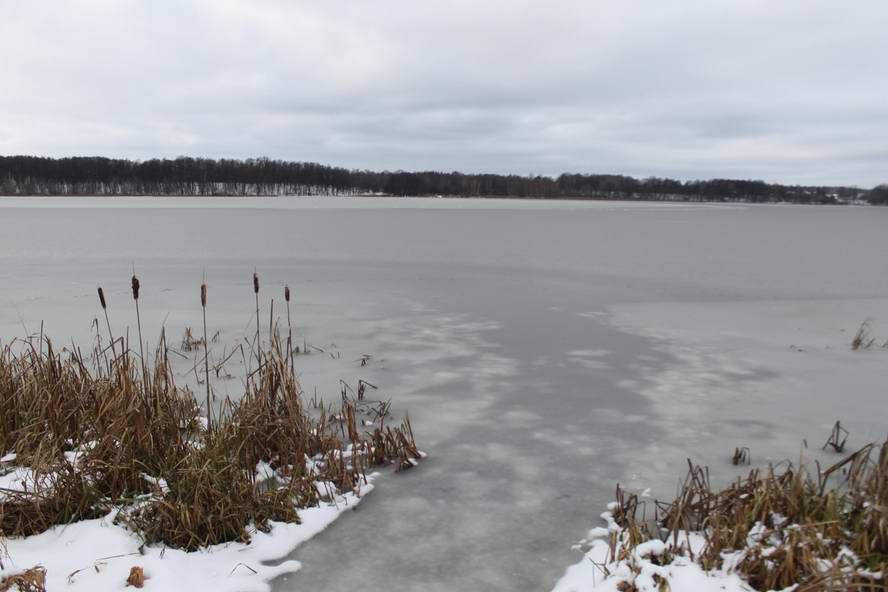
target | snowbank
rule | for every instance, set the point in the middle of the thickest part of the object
(599, 572)
(96, 555)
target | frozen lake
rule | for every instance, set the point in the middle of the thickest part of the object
(544, 350)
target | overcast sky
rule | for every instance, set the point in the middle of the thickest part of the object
(789, 90)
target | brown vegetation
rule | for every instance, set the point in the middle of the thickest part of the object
(822, 531)
(30, 580)
(109, 432)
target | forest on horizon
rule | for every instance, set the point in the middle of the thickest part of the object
(186, 176)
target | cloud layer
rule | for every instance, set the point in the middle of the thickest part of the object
(791, 91)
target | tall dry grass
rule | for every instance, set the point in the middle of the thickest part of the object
(109, 431)
(797, 528)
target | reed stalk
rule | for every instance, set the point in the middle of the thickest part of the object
(203, 305)
(107, 321)
(258, 337)
(778, 528)
(136, 286)
(289, 328)
(271, 321)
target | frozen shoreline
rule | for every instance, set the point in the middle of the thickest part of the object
(597, 571)
(493, 325)
(102, 553)
(767, 375)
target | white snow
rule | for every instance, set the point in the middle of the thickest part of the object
(597, 571)
(96, 555)
(17, 479)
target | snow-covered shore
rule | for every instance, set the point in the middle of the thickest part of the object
(598, 571)
(97, 555)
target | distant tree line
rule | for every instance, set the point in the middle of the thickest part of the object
(30, 175)
(879, 195)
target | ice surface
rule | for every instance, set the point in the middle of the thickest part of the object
(544, 350)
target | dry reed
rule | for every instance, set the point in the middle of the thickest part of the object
(30, 580)
(258, 336)
(104, 305)
(864, 339)
(203, 306)
(289, 327)
(837, 438)
(97, 434)
(777, 529)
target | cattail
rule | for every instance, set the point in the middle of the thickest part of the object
(203, 304)
(289, 327)
(107, 321)
(135, 283)
(258, 338)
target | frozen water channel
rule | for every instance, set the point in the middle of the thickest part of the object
(544, 350)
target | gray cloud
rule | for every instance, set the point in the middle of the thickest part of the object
(790, 91)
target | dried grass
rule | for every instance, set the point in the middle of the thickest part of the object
(132, 428)
(191, 343)
(821, 531)
(30, 580)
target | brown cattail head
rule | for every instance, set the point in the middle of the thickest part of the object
(255, 283)
(203, 295)
(135, 288)
(287, 293)
(102, 298)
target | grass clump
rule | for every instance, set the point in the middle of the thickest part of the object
(59, 496)
(210, 499)
(778, 529)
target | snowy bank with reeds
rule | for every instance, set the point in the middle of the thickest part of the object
(112, 474)
(789, 529)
